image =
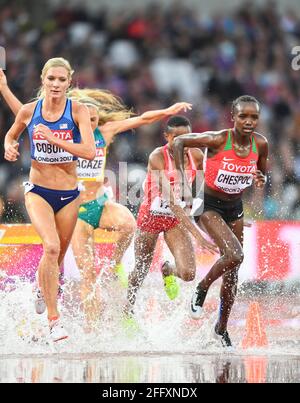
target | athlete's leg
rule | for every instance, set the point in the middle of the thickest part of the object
(83, 249)
(230, 247)
(231, 258)
(229, 283)
(116, 217)
(65, 220)
(183, 252)
(144, 245)
(43, 220)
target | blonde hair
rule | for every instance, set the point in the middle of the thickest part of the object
(89, 102)
(110, 107)
(54, 62)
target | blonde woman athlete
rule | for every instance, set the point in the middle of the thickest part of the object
(60, 132)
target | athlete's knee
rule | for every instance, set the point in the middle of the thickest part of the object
(238, 258)
(188, 276)
(51, 249)
(235, 257)
(186, 271)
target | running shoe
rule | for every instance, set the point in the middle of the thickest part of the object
(39, 303)
(171, 285)
(120, 271)
(130, 325)
(197, 302)
(57, 331)
(223, 337)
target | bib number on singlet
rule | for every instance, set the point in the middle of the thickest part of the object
(50, 153)
(90, 169)
(161, 207)
(232, 182)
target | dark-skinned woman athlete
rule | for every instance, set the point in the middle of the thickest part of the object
(234, 158)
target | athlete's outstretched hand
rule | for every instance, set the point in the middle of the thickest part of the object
(3, 80)
(259, 179)
(179, 107)
(11, 153)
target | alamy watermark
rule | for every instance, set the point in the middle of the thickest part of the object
(296, 59)
(131, 186)
(2, 58)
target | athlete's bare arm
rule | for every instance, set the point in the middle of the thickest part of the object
(86, 149)
(11, 144)
(11, 100)
(110, 129)
(213, 141)
(210, 140)
(260, 177)
(198, 157)
(157, 168)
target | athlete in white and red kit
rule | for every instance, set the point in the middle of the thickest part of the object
(233, 158)
(160, 211)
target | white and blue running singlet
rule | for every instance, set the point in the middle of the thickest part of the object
(64, 128)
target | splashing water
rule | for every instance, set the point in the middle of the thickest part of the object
(165, 326)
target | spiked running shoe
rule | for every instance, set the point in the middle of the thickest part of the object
(197, 302)
(130, 325)
(39, 303)
(120, 272)
(57, 331)
(171, 286)
(223, 337)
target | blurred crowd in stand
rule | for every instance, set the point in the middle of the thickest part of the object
(153, 57)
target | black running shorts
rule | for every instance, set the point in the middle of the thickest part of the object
(230, 211)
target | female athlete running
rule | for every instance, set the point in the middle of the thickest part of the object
(60, 132)
(234, 157)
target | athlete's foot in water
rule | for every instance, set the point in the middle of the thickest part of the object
(222, 336)
(171, 284)
(130, 324)
(121, 275)
(39, 300)
(92, 310)
(57, 331)
(197, 302)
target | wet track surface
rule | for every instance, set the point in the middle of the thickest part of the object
(169, 368)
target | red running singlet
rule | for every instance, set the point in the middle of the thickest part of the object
(155, 215)
(229, 173)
